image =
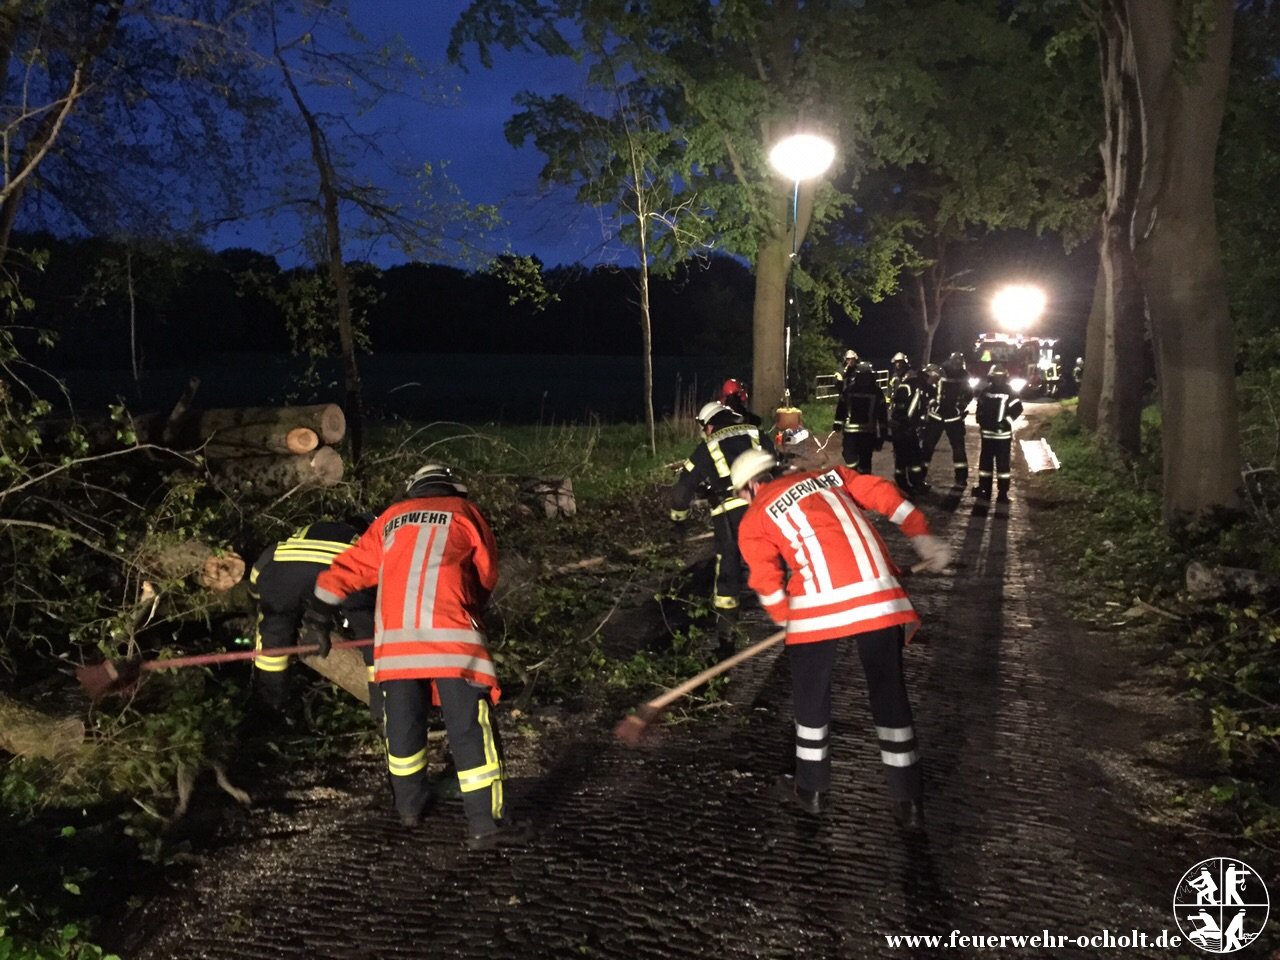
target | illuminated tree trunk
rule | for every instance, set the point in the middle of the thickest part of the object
(1091, 384)
(1119, 409)
(773, 270)
(1178, 257)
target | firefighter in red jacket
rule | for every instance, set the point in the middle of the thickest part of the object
(841, 584)
(435, 562)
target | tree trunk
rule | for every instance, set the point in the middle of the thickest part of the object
(337, 268)
(1119, 412)
(1178, 257)
(1094, 349)
(217, 570)
(27, 732)
(256, 439)
(276, 475)
(231, 425)
(646, 325)
(345, 668)
(768, 345)
(1119, 423)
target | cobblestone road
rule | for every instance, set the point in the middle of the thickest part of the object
(678, 850)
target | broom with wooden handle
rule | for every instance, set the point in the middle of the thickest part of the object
(631, 729)
(117, 676)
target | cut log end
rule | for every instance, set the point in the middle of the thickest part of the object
(221, 573)
(301, 440)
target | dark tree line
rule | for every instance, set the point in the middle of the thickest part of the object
(189, 303)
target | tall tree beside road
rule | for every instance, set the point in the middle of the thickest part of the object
(731, 80)
(1006, 133)
(1166, 66)
(623, 161)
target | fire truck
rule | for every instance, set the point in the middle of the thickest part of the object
(1026, 359)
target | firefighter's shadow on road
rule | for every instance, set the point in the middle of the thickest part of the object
(964, 685)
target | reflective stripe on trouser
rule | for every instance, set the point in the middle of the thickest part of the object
(728, 580)
(857, 449)
(270, 674)
(811, 669)
(993, 459)
(811, 666)
(881, 654)
(473, 741)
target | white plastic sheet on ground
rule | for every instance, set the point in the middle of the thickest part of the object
(1039, 455)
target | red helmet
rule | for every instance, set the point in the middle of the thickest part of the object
(732, 388)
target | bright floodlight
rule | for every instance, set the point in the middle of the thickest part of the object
(1017, 307)
(802, 156)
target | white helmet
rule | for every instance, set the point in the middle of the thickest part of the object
(709, 410)
(851, 355)
(748, 465)
(435, 473)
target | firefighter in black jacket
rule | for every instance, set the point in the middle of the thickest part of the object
(862, 415)
(900, 365)
(949, 401)
(282, 582)
(906, 417)
(725, 436)
(845, 373)
(998, 408)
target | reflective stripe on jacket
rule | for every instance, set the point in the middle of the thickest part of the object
(435, 563)
(842, 581)
(708, 467)
(996, 413)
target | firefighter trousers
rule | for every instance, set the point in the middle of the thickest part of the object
(728, 581)
(473, 741)
(954, 429)
(908, 462)
(359, 624)
(276, 628)
(857, 449)
(993, 461)
(811, 668)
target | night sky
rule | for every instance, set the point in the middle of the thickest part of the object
(467, 134)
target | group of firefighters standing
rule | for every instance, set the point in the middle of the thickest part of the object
(914, 411)
(416, 579)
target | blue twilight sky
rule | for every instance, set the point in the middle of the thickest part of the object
(463, 130)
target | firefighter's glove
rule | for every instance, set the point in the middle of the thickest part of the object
(679, 530)
(317, 623)
(837, 427)
(934, 553)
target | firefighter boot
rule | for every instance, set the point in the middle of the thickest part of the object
(1002, 490)
(813, 802)
(726, 633)
(505, 833)
(962, 474)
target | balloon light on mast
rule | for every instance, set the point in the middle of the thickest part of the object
(1018, 306)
